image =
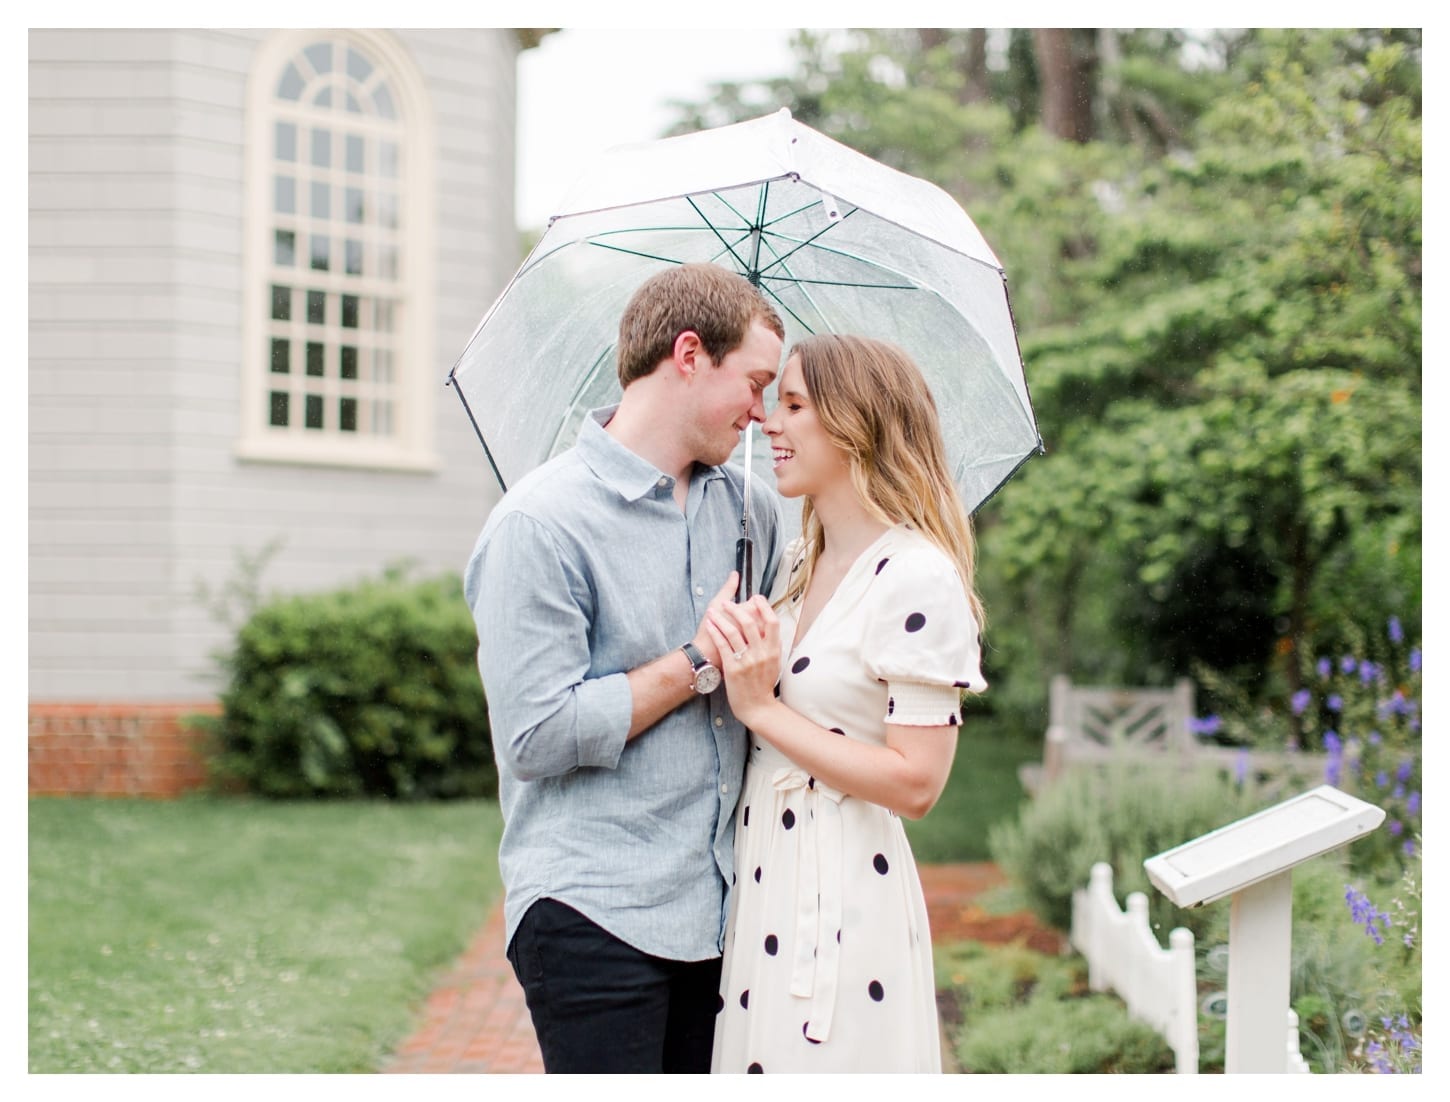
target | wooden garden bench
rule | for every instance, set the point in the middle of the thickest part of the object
(1094, 725)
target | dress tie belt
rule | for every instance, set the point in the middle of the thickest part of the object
(815, 972)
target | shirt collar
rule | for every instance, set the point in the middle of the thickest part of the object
(627, 473)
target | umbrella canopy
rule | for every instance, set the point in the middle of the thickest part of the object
(838, 242)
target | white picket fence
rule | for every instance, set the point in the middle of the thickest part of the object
(1158, 985)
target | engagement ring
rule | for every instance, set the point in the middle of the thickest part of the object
(739, 654)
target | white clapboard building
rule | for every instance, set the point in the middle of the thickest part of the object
(253, 257)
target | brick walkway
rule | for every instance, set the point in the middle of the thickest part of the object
(476, 1021)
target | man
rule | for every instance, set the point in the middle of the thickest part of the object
(619, 760)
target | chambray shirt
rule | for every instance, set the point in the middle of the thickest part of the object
(586, 569)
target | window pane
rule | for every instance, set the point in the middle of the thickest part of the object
(388, 160)
(284, 254)
(286, 199)
(278, 404)
(354, 204)
(313, 411)
(354, 257)
(322, 148)
(321, 205)
(382, 366)
(353, 105)
(316, 307)
(383, 315)
(281, 303)
(286, 141)
(319, 54)
(383, 418)
(290, 86)
(358, 67)
(323, 98)
(388, 262)
(356, 153)
(347, 364)
(281, 356)
(314, 358)
(349, 311)
(383, 100)
(347, 414)
(387, 210)
(321, 251)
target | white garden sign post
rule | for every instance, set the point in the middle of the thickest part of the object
(1253, 860)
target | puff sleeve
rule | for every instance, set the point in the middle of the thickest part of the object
(921, 638)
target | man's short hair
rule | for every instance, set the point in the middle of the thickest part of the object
(707, 299)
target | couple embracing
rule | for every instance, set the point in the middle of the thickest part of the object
(703, 857)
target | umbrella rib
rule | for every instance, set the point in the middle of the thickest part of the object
(812, 237)
(803, 323)
(634, 252)
(843, 283)
(730, 248)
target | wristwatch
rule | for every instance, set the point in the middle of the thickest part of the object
(707, 677)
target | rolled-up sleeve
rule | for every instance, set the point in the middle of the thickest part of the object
(549, 716)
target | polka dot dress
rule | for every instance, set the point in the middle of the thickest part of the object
(828, 962)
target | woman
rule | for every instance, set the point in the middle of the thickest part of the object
(850, 681)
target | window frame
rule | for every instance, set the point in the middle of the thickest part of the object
(412, 445)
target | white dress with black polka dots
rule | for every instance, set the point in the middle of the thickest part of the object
(828, 962)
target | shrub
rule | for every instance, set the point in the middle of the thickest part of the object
(1085, 1036)
(370, 690)
(1121, 814)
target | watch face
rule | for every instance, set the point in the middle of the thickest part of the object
(707, 679)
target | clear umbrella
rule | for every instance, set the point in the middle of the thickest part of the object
(838, 242)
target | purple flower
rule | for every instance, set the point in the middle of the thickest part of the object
(1374, 738)
(1409, 847)
(1397, 633)
(1300, 701)
(1333, 766)
(1332, 743)
(1367, 672)
(1348, 664)
(1241, 766)
(1381, 779)
(1396, 827)
(1412, 805)
(1208, 725)
(1406, 768)
(1414, 659)
(1335, 702)
(1323, 666)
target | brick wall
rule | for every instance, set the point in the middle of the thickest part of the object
(115, 749)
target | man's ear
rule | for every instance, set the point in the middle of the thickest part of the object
(689, 353)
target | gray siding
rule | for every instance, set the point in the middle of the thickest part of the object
(136, 250)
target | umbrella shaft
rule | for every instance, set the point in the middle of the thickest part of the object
(745, 564)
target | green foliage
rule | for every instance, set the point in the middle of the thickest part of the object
(370, 690)
(1025, 1012)
(1219, 305)
(237, 936)
(1121, 814)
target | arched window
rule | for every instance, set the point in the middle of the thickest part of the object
(339, 254)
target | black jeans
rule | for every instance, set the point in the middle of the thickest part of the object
(600, 1005)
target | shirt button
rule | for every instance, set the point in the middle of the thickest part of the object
(699, 591)
(719, 721)
(724, 788)
(664, 482)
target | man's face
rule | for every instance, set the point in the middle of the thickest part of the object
(730, 394)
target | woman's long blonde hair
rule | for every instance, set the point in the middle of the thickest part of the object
(873, 404)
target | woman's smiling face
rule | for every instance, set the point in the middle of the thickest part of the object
(805, 459)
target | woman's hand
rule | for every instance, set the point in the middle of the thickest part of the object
(748, 636)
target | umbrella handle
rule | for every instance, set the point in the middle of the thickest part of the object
(745, 565)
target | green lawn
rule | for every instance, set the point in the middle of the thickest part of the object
(230, 935)
(983, 789)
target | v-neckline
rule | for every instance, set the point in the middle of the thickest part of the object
(797, 636)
